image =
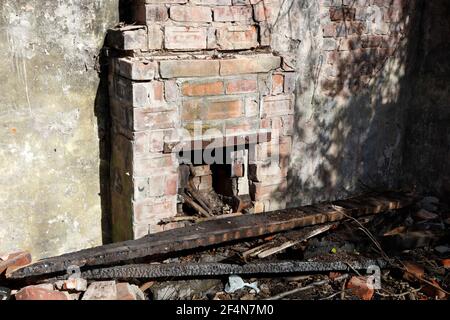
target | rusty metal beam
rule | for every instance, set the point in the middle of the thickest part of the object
(217, 232)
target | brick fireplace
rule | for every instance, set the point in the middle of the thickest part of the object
(196, 94)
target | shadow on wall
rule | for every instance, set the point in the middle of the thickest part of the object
(104, 128)
(427, 150)
(352, 97)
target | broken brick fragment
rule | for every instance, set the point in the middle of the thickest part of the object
(127, 292)
(361, 287)
(37, 293)
(76, 285)
(105, 290)
(14, 261)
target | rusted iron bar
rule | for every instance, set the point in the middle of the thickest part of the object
(217, 232)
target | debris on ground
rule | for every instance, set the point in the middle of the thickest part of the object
(362, 287)
(369, 248)
(236, 283)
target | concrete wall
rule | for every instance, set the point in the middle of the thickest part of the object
(49, 141)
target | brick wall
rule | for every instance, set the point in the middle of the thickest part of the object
(185, 62)
(359, 36)
(189, 70)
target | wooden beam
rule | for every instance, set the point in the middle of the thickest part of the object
(190, 270)
(217, 232)
(216, 142)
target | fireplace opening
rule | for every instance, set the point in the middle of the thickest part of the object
(214, 182)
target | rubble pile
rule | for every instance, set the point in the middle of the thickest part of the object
(401, 254)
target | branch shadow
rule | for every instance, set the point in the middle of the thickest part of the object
(351, 137)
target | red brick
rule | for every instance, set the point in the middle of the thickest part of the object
(249, 64)
(342, 13)
(192, 110)
(285, 147)
(371, 41)
(139, 94)
(212, 109)
(260, 11)
(144, 167)
(350, 43)
(259, 191)
(104, 291)
(274, 123)
(151, 13)
(171, 185)
(393, 15)
(242, 86)
(191, 13)
(237, 37)
(203, 89)
(258, 207)
(155, 37)
(146, 142)
(152, 211)
(233, 13)
(135, 69)
(265, 34)
(204, 183)
(360, 287)
(277, 84)
(252, 106)
(237, 170)
(185, 38)
(158, 91)
(343, 29)
(128, 38)
(189, 68)
(35, 293)
(241, 126)
(224, 109)
(200, 171)
(13, 261)
(172, 91)
(147, 119)
(278, 105)
(127, 292)
(75, 284)
(264, 173)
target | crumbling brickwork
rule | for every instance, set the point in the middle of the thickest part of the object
(186, 64)
(358, 38)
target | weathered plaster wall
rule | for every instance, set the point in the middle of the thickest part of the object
(49, 144)
(427, 152)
